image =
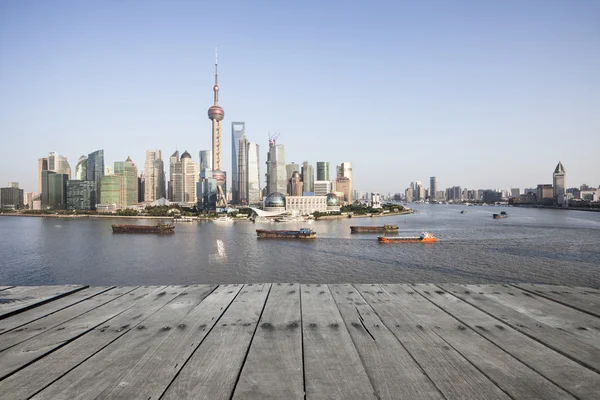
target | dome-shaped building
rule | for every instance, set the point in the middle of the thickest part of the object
(274, 202)
(333, 202)
(185, 155)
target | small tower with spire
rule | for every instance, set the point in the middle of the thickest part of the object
(559, 185)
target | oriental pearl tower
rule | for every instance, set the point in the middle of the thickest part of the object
(216, 115)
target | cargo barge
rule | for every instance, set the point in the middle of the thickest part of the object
(503, 214)
(425, 237)
(374, 229)
(303, 233)
(161, 227)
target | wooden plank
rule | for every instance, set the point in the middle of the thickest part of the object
(17, 357)
(332, 366)
(571, 376)
(513, 377)
(273, 368)
(212, 371)
(583, 299)
(393, 372)
(24, 318)
(103, 372)
(36, 376)
(562, 342)
(5, 287)
(39, 327)
(19, 299)
(581, 326)
(453, 375)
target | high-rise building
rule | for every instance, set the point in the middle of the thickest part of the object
(185, 179)
(54, 190)
(58, 164)
(346, 170)
(11, 197)
(238, 129)
(81, 169)
(308, 177)
(290, 169)
(515, 192)
(295, 186)
(112, 190)
(276, 172)
(95, 171)
(559, 184)
(433, 188)
(129, 172)
(343, 185)
(242, 170)
(322, 171)
(154, 175)
(79, 195)
(322, 188)
(172, 160)
(141, 187)
(42, 166)
(216, 115)
(253, 169)
(205, 162)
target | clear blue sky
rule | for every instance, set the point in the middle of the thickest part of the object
(478, 93)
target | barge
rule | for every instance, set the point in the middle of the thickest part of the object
(503, 214)
(374, 229)
(304, 233)
(161, 227)
(425, 237)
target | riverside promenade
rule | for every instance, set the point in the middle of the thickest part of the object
(296, 341)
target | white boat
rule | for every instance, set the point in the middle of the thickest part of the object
(183, 219)
(223, 219)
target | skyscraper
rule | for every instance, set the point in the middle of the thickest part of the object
(559, 184)
(112, 190)
(205, 162)
(322, 170)
(242, 170)
(295, 188)
(95, 171)
(154, 176)
(432, 188)
(276, 172)
(254, 190)
(129, 172)
(308, 177)
(79, 195)
(185, 179)
(238, 129)
(81, 169)
(59, 164)
(346, 169)
(42, 166)
(216, 115)
(172, 160)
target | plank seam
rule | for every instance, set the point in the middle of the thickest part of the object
(556, 301)
(34, 305)
(105, 346)
(8, 287)
(362, 361)
(401, 344)
(200, 343)
(302, 340)
(60, 309)
(237, 380)
(495, 344)
(528, 335)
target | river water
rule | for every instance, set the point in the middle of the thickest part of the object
(531, 245)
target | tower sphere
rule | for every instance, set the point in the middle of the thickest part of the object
(216, 113)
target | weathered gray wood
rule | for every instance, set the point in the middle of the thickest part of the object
(35, 377)
(19, 299)
(454, 376)
(393, 372)
(581, 326)
(212, 371)
(583, 299)
(40, 325)
(18, 320)
(332, 366)
(273, 368)
(513, 377)
(102, 372)
(150, 377)
(18, 356)
(571, 376)
(560, 341)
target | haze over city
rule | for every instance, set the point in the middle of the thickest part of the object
(479, 95)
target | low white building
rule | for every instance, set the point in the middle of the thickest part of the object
(305, 205)
(375, 200)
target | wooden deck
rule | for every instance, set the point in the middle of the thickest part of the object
(291, 341)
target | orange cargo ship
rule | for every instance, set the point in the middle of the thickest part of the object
(425, 237)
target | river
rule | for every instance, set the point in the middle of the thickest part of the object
(531, 245)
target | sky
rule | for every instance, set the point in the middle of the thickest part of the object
(481, 94)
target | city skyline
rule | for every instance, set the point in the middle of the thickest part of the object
(474, 94)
